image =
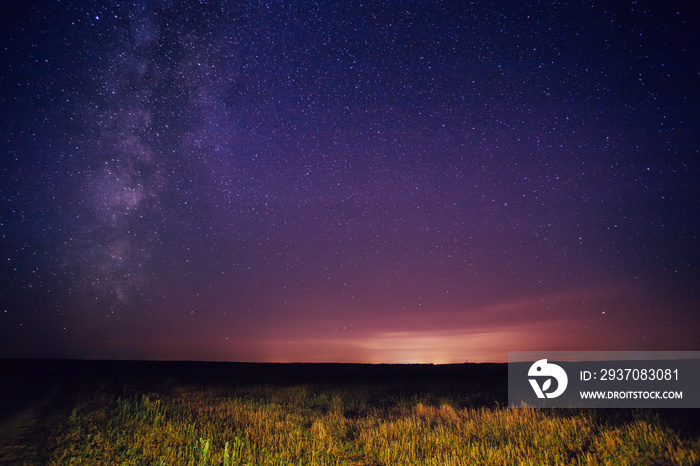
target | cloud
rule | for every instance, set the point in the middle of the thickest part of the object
(569, 319)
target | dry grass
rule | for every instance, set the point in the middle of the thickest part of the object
(302, 425)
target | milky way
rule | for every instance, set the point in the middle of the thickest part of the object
(341, 181)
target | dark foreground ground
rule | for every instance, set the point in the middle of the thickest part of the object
(26, 382)
(37, 395)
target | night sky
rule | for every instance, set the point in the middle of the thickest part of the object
(383, 182)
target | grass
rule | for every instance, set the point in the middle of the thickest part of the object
(313, 424)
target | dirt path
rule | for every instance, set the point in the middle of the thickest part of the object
(13, 450)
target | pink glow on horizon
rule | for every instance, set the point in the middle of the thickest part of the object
(583, 319)
(566, 321)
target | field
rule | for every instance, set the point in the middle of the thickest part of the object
(125, 413)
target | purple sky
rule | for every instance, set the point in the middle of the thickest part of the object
(348, 182)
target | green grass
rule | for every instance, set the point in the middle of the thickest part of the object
(310, 425)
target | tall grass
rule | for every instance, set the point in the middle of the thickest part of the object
(301, 425)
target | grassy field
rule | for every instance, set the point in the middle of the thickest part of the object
(417, 415)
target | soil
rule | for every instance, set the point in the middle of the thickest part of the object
(25, 401)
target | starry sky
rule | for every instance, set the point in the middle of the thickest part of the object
(346, 181)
